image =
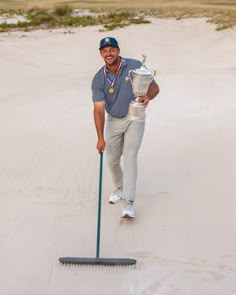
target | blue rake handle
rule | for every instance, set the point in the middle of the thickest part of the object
(99, 206)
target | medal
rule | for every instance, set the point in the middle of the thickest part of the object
(111, 90)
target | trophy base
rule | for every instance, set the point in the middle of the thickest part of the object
(136, 111)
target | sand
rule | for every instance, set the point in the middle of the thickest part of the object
(184, 233)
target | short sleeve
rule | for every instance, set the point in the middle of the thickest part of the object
(97, 89)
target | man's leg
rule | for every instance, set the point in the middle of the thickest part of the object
(132, 142)
(114, 147)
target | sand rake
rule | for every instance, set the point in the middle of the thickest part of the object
(97, 260)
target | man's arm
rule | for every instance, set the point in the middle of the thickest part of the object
(153, 90)
(99, 120)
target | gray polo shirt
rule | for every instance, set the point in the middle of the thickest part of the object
(116, 103)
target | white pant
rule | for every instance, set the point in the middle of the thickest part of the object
(124, 137)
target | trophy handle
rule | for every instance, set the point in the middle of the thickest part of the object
(153, 74)
(130, 76)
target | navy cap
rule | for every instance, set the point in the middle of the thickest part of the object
(108, 41)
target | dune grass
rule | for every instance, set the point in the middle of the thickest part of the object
(222, 18)
(61, 17)
(57, 13)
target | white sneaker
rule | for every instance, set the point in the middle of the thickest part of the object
(115, 197)
(128, 211)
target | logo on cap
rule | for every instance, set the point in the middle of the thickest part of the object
(107, 41)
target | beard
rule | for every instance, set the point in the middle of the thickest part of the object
(112, 62)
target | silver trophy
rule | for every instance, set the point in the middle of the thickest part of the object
(140, 79)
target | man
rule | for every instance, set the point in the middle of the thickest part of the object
(112, 92)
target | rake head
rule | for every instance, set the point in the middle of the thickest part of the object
(97, 261)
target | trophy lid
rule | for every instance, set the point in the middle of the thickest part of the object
(142, 71)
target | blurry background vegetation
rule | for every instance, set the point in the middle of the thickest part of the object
(114, 13)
